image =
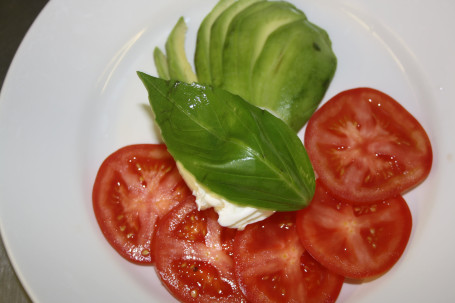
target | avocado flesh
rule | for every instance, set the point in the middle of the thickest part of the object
(265, 51)
(161, 64)
(298, 60)
(201, 56)
(245, 39)
(179, 67)
(217, 38)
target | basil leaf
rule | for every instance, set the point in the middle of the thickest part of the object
(233, 148)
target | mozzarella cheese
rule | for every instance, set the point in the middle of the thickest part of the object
(229, 214)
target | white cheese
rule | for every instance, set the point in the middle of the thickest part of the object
(229, 214)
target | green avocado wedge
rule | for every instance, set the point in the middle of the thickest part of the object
(178, 64)
(202, 53)
(245, 40)
(233, 148)
(293, 72)
(162, 67)
(218, 34)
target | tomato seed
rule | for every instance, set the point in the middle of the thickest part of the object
(194, 293)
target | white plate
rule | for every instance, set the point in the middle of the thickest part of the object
(71, 97)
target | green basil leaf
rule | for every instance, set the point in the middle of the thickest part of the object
(233, 148)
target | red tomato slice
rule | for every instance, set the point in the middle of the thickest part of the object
(364, 146)
(273, 266)
(354, 240)
(194, 256)
(135, 187)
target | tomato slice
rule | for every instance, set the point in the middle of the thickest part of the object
(273, 266)
(135, 187)
(364, 146)
(354, 240)
(194, 256)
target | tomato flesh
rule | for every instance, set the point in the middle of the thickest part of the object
(135, 187)
(354, 240)
(194, 256)
(364, 146)
(273, 266)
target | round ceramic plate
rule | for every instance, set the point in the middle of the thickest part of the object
(72, 96)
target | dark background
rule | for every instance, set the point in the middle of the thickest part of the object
(16, 17)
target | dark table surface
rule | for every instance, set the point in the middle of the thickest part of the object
(16, 17)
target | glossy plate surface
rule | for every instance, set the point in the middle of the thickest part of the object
(72, 97)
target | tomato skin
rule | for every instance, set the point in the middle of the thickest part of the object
(194, 256)
(354, 240)
(273, 266)
(364, 146)
(135, 187)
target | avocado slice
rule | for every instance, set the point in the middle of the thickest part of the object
(179, 67)
(201, 56)
(293, 71)
(218, 35)
(245, 39)
(161, 64)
